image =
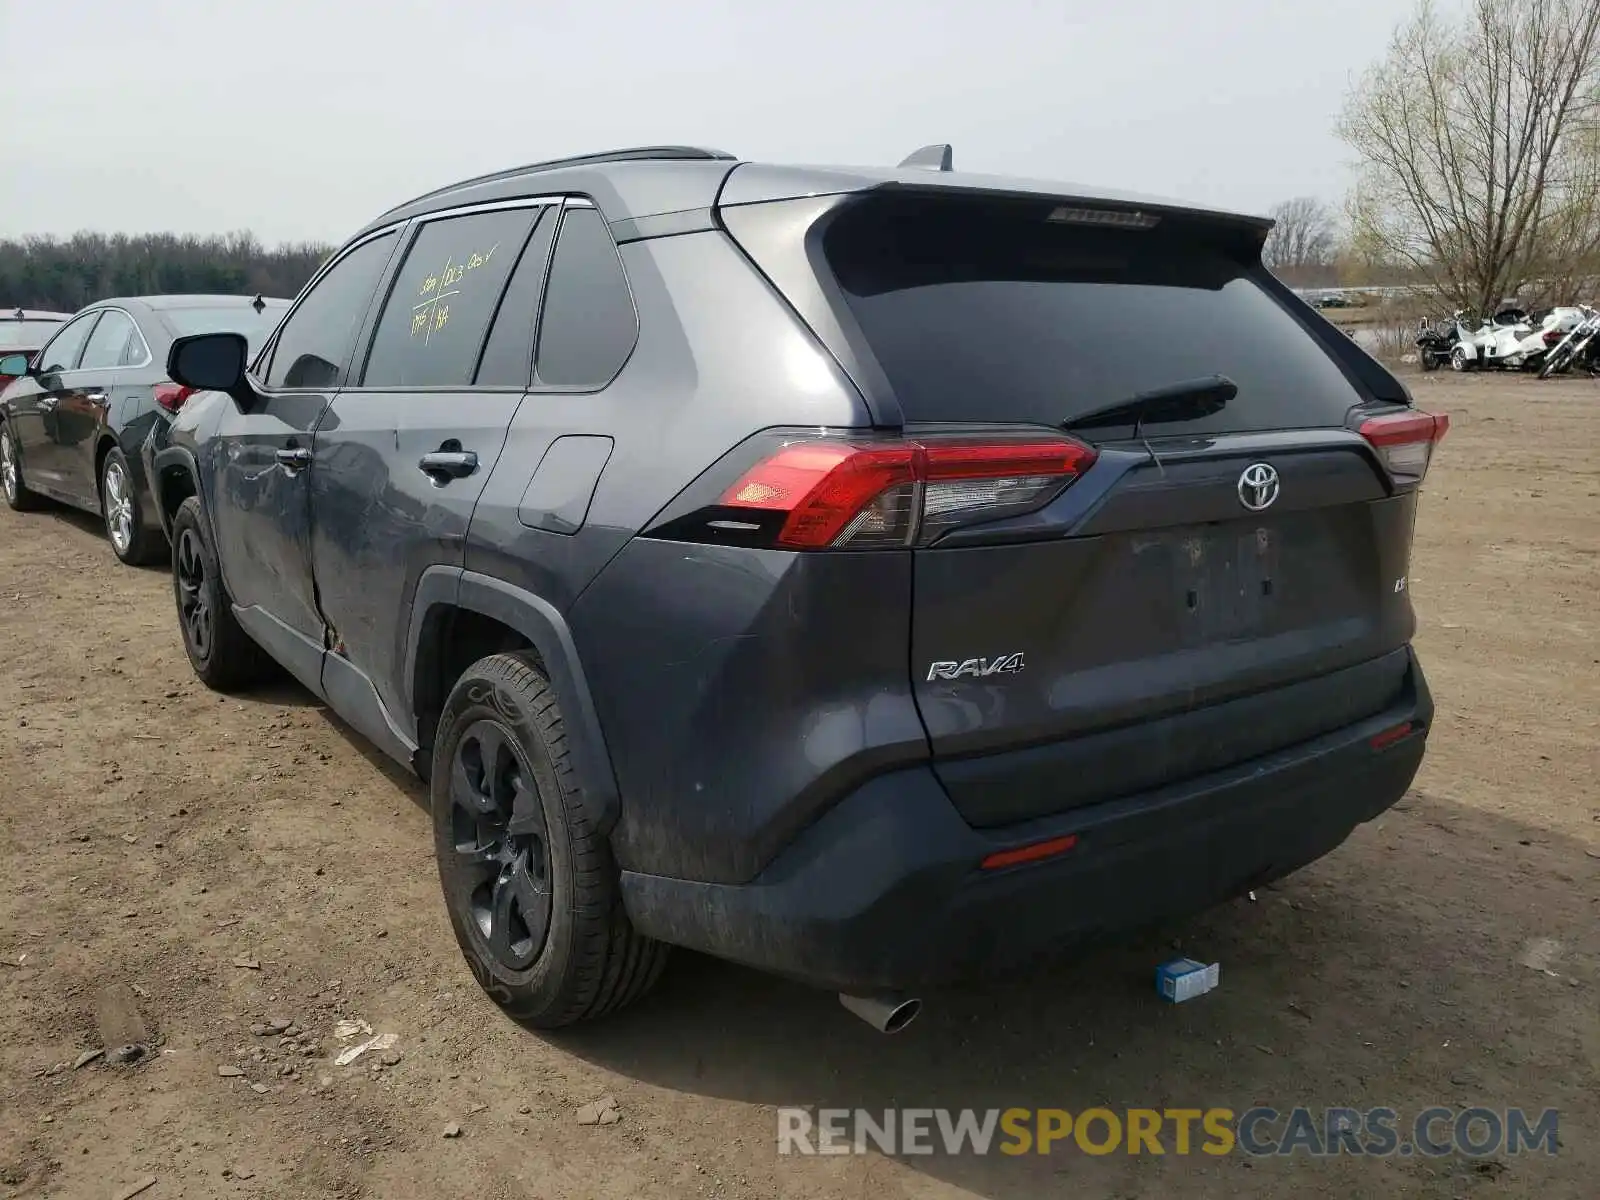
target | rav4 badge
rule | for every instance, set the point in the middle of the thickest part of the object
(977, 668)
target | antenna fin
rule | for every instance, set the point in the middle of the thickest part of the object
(931, 158)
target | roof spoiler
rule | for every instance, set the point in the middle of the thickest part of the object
(930, 158)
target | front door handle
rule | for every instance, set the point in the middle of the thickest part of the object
(95, 397)
(297, 459)
(444, 465)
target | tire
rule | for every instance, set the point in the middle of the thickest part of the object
(221, 652)
(123, 513)
(1458, 360)
(1428, 361)
(529, 882)
(17, 495)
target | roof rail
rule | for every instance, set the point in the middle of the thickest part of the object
(930, 158)
(631, 154)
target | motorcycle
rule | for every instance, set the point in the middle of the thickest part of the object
(1435, 343)
(1580, 346)
(1510, 340)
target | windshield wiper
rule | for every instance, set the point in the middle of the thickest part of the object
(1186, 401)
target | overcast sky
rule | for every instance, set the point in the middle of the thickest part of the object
(302, 119)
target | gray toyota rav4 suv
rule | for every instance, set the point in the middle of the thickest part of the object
(876, 577)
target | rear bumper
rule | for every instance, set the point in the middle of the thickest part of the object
(884, 892)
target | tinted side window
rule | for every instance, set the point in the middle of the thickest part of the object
(109, 340)
(588, 327)
(62, 352)
(135, 350)
(315, 343)
(443, 297)
(508, 354)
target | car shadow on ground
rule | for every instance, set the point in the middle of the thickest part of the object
(94, 525)
(406, 781)
(281, 693)
(1379, 976)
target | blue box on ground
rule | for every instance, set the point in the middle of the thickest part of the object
(1183, 979)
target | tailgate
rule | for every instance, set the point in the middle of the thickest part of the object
(1220, 583)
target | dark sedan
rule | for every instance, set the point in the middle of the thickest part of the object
(73, 422)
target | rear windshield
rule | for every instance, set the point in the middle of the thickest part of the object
(26, 335)
(243, 319)
(992, 312)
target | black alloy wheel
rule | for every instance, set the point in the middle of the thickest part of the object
(501, 875)
(219, 650)
(194, 601)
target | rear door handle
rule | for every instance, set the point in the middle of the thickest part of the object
(294, 459)
(48, 403)
(444, 465)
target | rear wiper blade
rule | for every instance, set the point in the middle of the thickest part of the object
(1186, 401)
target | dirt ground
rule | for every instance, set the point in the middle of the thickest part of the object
(156, 836)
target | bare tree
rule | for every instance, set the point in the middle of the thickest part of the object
(1302, 238)
(1479, 163)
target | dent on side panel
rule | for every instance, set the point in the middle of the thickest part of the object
(743, 692)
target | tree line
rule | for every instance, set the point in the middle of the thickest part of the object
(65, 274)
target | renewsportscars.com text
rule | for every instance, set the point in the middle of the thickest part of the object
(1318, 1132)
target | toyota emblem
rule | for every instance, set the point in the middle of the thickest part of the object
(1258, 487)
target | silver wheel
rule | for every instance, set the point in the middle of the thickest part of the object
(117, 497)
(8, 465)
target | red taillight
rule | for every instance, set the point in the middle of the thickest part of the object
(171, 397)
(1552, 336)
(1405, 440)
(891, 493)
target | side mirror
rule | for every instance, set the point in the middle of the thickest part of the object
(212, 362)
(13, 366)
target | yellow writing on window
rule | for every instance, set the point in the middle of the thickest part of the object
(432, 315)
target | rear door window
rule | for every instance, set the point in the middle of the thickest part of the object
(108, 342)
(508, 354)
(588, 327)
(992, 312)
(443, 298)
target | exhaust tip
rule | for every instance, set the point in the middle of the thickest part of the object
(886, 1014)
